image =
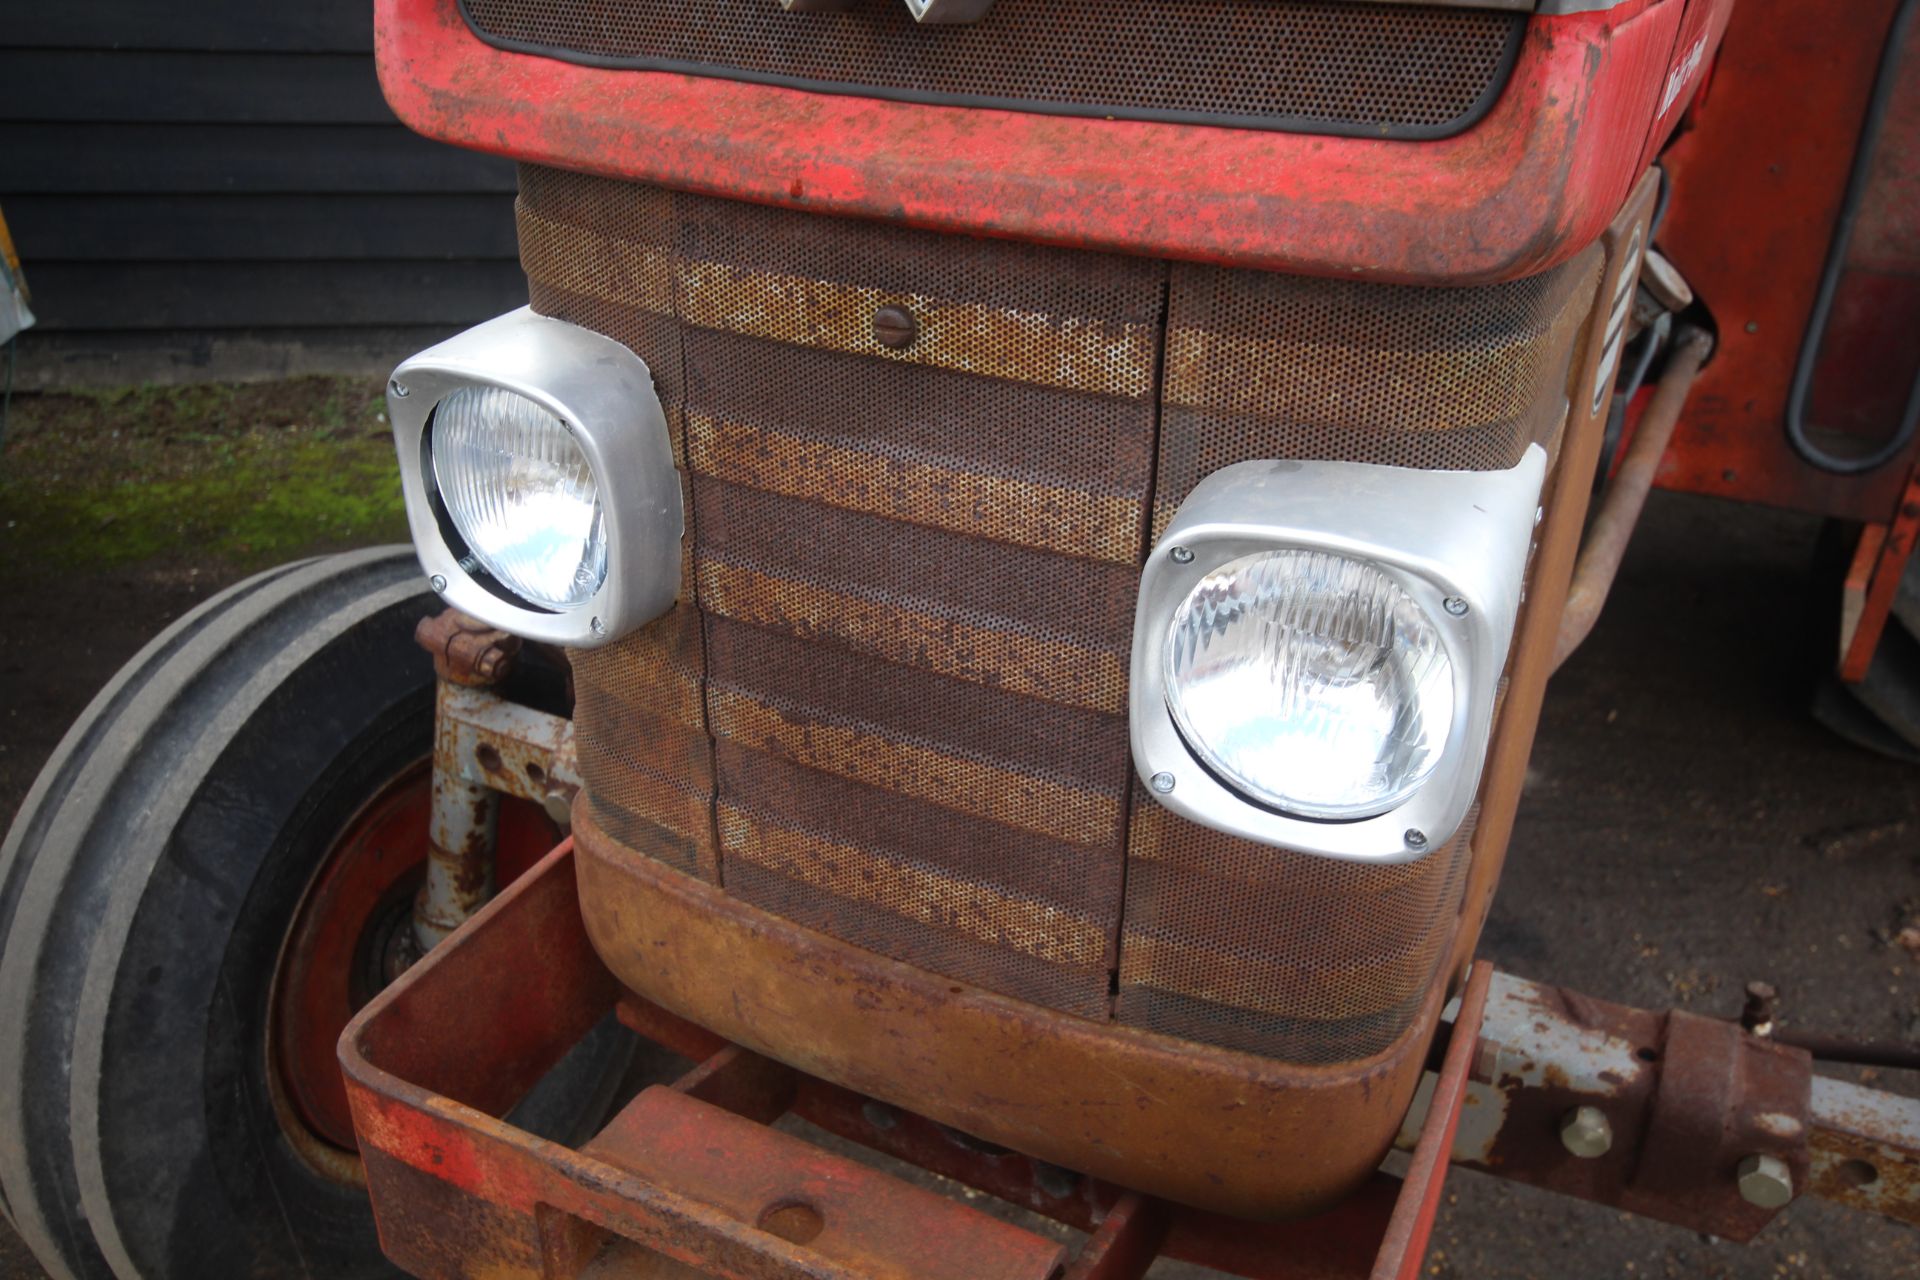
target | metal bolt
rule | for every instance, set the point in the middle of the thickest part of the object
(895, 327)
(437, 582)
(1161, 782)
(1757, 1014)
(598, 627)
(399, 388)
(1415, 838)
(1455, 606)
(1765, 1181)
(1585, 1133)
(1182, 555)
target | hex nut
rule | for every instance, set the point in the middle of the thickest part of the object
(1765, 1182)
(1586, 1133)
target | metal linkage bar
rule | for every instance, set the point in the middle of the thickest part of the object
(1688, 1119)
(1612, 528)
(484, 747)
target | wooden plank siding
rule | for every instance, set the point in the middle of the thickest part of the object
(221, 176)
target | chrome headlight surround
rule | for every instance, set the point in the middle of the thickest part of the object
(602, 394)
(1441, 536)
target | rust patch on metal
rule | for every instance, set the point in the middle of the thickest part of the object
(596, 261)
(1865, 1147)
(848, 871)
(465, 650)
(924, 490)
(865, 754)
(1001, 342)
(1203, 1126)
(967, 648)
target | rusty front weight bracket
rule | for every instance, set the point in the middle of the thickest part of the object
(1687, 1119)
(484, 747)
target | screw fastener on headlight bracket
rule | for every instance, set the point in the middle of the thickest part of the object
(1450, 546)
(601, 396)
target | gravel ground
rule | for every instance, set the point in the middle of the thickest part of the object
(1686, 828)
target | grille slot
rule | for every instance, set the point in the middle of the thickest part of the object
(1306, 65)
(891, 706)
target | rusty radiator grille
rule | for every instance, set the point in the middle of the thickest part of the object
(1227, 941)
(914, 569)
(1271, 366)
(1381, 70)
(1278, 953)
(892, 703)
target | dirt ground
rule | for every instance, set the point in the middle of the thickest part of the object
(1686, 828)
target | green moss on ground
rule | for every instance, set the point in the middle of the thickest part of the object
(244, 474)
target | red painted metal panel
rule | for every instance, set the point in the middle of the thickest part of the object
(1529, 186)
(1757, 189)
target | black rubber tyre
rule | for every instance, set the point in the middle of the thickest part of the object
(145, 889)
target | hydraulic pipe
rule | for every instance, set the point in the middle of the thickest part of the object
(1620, 508)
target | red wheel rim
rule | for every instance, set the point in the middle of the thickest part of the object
(329, 962)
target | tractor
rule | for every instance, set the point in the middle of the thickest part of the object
(993, 607)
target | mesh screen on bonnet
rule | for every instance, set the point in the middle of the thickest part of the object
(1373, 69)
(892, 703)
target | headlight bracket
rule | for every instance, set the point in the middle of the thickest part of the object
(603, 394)
(1456, 541)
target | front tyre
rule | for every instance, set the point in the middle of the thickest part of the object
(197, 890)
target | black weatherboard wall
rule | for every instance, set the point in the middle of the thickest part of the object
(216, 188)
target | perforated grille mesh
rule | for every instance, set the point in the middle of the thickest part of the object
(1271, 366)
(1307, 959)
(1306, 64)
(892, 705)
(915, 569)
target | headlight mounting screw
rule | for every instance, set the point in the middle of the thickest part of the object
(399, 388)
(1415, 838)
(437, 582)
(598, 627)
(1182, 555)
(1162, 782)
(1455, 606)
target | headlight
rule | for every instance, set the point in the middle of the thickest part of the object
(539, 479)
(1317, 647)
(1311, 681)
(522, 495)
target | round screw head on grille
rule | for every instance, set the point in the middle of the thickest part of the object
(895, 327)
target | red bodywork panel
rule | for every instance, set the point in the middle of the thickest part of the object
(1758, 184)
(1530, 185)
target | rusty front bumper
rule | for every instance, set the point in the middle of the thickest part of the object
(691, 1179)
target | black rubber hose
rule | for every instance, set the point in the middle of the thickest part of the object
(1886, 80)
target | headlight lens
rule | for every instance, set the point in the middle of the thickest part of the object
(1310, 681)
(522, 495)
